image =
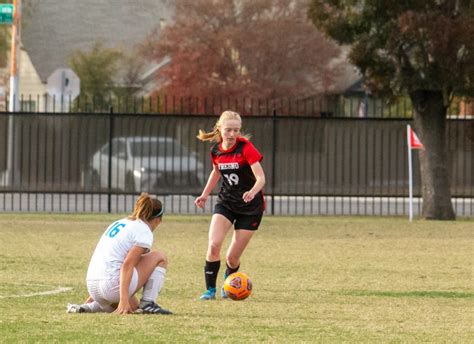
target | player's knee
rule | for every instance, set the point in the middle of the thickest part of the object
(163, 260)
(214, 249)
(160, 258)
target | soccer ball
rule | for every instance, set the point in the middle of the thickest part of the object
(238, 286)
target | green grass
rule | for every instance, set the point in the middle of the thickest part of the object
(316, 279)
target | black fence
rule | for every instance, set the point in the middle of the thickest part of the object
(99, 162)
(352, 104)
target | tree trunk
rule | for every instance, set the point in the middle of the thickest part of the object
(430, 125)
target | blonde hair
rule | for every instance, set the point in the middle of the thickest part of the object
(215, 134)
(146, 208)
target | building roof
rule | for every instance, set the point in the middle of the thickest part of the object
(53, 29)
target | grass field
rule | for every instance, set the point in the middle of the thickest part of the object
(316, 279)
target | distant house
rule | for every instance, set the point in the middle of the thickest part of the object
(466, 108)
(53, 29)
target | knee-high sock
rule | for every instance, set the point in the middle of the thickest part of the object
(211, 269)
(93, 307)
(230, 270)
(152, 287)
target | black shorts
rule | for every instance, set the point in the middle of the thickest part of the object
(240, 221)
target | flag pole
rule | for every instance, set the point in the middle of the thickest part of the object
(410, 176)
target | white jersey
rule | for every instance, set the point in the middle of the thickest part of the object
(114, 246)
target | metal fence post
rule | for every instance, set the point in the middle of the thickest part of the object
(109, 177)
(274, 149)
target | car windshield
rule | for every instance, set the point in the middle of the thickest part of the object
(157, 148)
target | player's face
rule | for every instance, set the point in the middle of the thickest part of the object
(230, 130)
(154, 223)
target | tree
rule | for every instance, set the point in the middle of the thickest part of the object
(423, 48)
(131, 68)
(97, 70)
(109, 77)
(243, 48)
(4, 45)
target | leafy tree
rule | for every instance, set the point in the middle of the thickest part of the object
(243, 48)
(423, 48)
(109, 77)
(4, 45)
(130, 71)
(97, 70)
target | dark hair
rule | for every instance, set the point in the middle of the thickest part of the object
(147, 208)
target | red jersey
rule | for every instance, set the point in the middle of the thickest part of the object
(237, 176)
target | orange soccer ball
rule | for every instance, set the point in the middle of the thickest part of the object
(238, 286)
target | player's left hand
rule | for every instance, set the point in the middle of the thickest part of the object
(124, 308)
(248, 196)
(200, 201)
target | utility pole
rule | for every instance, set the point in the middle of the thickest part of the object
(14, 103)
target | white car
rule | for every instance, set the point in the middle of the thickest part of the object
(145, 163)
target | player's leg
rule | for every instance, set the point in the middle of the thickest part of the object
(95, 303)
(151, 276)
(218, 229)
(240, 241)
(245, 227)
(89, 306)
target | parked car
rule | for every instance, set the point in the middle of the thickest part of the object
(145, 163)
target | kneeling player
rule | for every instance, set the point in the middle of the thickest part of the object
(122, 264)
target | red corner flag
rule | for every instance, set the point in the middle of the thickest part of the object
(414, 141)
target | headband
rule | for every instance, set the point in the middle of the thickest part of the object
(160, 213)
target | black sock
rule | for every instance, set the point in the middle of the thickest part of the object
(211, 269)
(230, 270)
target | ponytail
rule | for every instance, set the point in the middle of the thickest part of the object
(147, 208)
(215, 134)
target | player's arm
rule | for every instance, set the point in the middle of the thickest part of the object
(257, 170)
(210, 185)
(126, 271)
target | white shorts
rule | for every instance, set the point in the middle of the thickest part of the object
(106, 292)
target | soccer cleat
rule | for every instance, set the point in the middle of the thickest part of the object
(209, 294)
(223, 293)
(73, 308)
(152, 308)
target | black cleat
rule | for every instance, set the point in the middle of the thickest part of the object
(152, 308)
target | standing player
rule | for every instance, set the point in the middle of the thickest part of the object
(122, 264)
(240, 200)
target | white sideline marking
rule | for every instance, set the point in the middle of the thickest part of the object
(41, 293)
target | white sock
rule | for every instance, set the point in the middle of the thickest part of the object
(92, 307)
(152, 287)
